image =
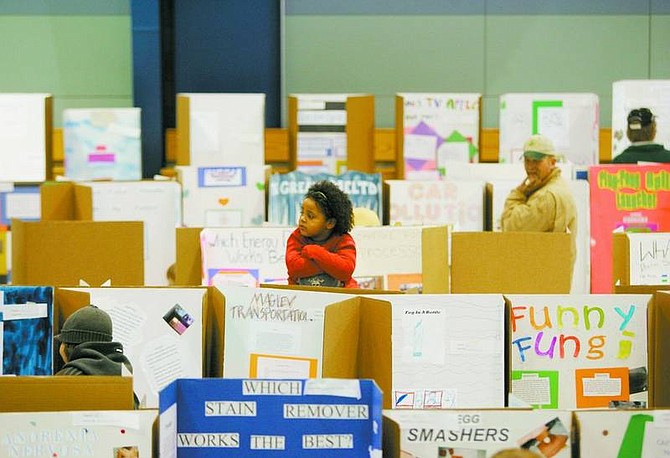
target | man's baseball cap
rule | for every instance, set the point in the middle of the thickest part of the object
(639, 118)
(538, 147)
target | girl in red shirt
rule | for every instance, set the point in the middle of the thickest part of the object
(320, 252)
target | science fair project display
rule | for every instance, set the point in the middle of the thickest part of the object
(624, 433)
(26, 332)
(161, 330)
(222, 195)
(220, 129)
(19, 201)
(276, 333)
(287, 191)
(102, 143)
(457, 203)
(569, 120)
(25, 137)
(624, 198)
(648, 258)
(628, 95)
(297, 418)
(476, 433)
(435, 130)
(579, 351)
(100, 433)
(448, 350)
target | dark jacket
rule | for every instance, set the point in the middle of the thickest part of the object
(96, 358)
(643, 152)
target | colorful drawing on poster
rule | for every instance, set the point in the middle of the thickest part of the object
(598, 387)
(403, 400)
(178, 319)
(548, 440)
(281, 367)
(233, 277)
(536, 388)
(405, 282)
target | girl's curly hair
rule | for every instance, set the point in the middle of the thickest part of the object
(334, 203)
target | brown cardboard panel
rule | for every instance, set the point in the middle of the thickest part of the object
(435, 259)
(65, 393)
(57, 201)
(361, 133)
(620, 260)
(511, 262)
(399, 137)
(659, 350)
(60, 253)
(214, 314)
(640, 289)
(183, 130)
(293, 132)
(188, 267)
(340, 339)
(375, 360)
(66, 302)
(390, 438)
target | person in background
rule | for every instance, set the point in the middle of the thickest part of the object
(543, 201)
(641, 133)
(321, 252)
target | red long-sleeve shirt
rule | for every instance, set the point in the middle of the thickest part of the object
(336, 257)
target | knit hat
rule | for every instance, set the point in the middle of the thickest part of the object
(88, 324)
(639, 118)
(538, 147)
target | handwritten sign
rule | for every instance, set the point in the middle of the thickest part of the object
(649, 258)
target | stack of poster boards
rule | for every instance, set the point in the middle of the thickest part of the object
(287, 191)
(215, 130)
(25, 137)
(569, 120)
(474, 433)
(300, 418)
(161, 329)
(628, 95)
(100, 433)
(26, 331)
(435, 130)
(579, 351)
(102, 143)
(437, 202)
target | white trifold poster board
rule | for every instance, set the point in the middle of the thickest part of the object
(322, 133)
(581, 278)
(225, 129)
(244, 256)
(624, 433)
(628, 95)
(578, 351)
(274, 333)
(475, 433)
(102, 143)
(649, 258)
(438, 129)
(157, 204)
(100, 433)
(161, 330)
(569, 120)
(437, 202)
(222, 196)
(448, 350)
(23, 137)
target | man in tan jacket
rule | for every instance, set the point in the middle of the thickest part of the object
(543, 201)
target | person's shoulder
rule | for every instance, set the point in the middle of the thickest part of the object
(70, 370)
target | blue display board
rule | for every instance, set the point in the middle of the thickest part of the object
(269, 418)
(26, 321)
(288, 190)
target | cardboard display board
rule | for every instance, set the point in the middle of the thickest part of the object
(579, 351)
(26, 137)
(331, 133)
(570, 120)
(476, 433)
(287, 191)
(61, 253)
(222, 195)
(221, 129)
(298, 418)
(162, 331)
(434, 130)
(630, 94)
(448, 350)
(102, 143)
(624, 198)
(100, 433)
(624, 433)
(19, 201)
(63, 393)
(26, 334)
(509, 262)
(456, 203)
(5, 256)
